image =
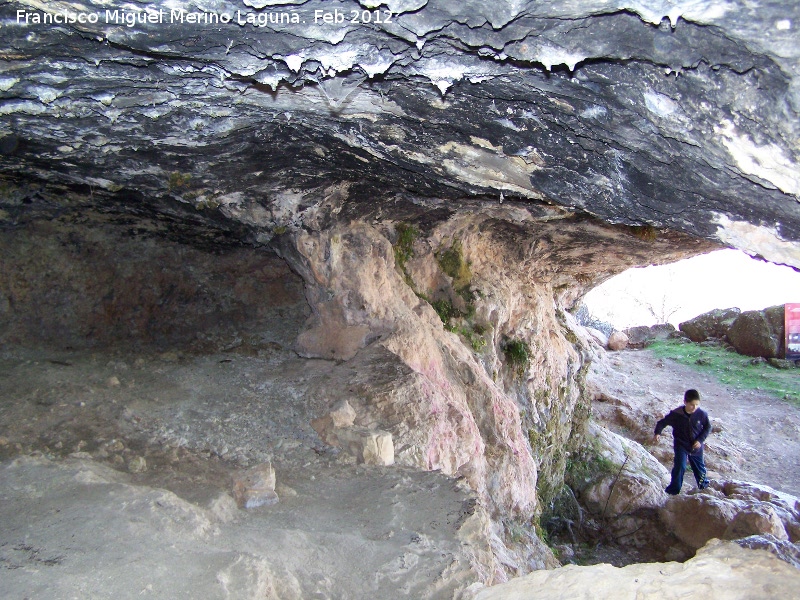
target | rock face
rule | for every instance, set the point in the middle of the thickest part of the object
(666, 116)
(720, 570)
(759, 333)
(713, 324)
(621, 478)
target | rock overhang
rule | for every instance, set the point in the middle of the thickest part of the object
(671, 115)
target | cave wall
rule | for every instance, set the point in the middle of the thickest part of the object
(91, 283)
(420, 319)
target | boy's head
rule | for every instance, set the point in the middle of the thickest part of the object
(691, 401)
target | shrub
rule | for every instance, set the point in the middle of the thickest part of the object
(517, 353)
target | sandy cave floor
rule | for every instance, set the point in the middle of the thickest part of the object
(74, 522)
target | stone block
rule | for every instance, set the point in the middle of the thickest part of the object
(369, 446)
(255, 487)
(343, 415)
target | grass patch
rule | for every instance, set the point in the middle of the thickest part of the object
(518, 355)
(732, 369)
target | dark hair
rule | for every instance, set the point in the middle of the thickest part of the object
(691, 395)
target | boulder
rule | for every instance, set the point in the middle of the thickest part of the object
(639, 337)
(617, 341)
(776, 317)
(713, 324)
(662, 331)
(696, 518)
(630, 478)
(753, 334)
(758, 519)
(732, 510)
(720, 571)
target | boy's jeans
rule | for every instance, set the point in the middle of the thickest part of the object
(679, 468)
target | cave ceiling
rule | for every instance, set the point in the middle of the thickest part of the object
(680, 115)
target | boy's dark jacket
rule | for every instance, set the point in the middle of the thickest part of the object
(686, 429)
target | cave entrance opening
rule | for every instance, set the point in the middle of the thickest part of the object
(682, 290)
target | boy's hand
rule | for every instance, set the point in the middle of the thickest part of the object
(696, 446)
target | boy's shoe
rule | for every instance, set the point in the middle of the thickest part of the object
(704, 485)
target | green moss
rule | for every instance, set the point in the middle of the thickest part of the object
(207, 203)
(475, 339)
(452, 262)
(178, 180)
(587, 463)
(445, 310)
(517, 353)
(571, 337)
(648, 233)
(541, 531)
(404, 246)
(279, 230)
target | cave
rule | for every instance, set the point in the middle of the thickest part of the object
(295, 282)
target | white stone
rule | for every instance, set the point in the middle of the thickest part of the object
(369, 446)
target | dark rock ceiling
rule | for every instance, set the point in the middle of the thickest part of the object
(679, 115)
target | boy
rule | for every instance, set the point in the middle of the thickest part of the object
(690, 428)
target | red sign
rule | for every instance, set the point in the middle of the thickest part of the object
(792, 312)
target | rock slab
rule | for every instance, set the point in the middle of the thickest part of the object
(720, 571)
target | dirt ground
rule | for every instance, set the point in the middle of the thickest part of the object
(116, 468)
(755, 436)
(115, 481)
